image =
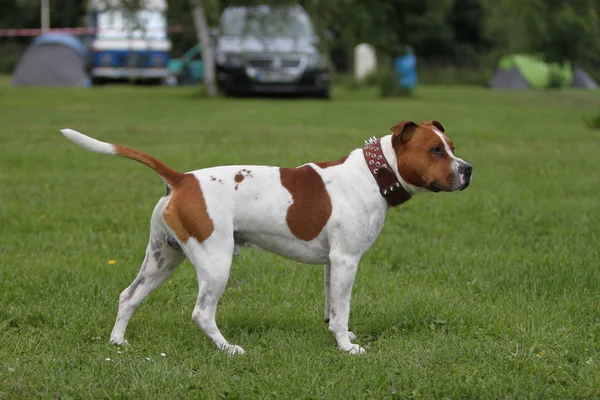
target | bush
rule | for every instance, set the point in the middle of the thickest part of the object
(389, 85)
(10, 53)
(592, 121)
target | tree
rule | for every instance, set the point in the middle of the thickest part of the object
(555, 29)
(564, 31)
(203, 34)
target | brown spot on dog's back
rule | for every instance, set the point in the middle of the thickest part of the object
(186, 212)
(239, 177)
(311, 207)
(328, 164)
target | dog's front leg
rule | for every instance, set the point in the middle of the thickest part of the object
(343, 271)
(327, 281)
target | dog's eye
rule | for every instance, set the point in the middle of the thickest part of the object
(437, 150)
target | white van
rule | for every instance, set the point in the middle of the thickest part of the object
(128, 44)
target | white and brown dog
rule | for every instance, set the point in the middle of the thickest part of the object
(319, 213)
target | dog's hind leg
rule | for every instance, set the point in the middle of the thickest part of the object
(159, 263)
(212, 260)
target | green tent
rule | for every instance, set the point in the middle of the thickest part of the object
(521, 71)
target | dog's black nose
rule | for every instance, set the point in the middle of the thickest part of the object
(466, 169)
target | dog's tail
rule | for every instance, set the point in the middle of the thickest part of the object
(170, 176)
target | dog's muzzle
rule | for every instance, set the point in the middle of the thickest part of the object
(465, 170)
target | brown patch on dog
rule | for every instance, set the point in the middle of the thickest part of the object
(239, 177)
(328, 164)
(311, 207)
(186, 212)
(416, 163)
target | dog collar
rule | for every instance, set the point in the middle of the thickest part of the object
(389, 186)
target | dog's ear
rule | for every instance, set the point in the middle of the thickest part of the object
(436, 124)
(403, 132)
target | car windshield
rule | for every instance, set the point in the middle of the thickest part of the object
(266, 22)
(122, 24)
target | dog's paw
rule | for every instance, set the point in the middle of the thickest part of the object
(119, 342)
(233, 350)
(352, 336)
(356, 349)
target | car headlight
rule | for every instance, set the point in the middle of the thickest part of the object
(229, 59)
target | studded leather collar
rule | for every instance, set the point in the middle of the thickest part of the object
(389, 186)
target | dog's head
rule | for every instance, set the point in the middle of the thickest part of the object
(425, 157)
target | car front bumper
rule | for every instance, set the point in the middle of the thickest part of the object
(119, 73)
(239, 80)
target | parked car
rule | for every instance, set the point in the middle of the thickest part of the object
(188, 69)
(270, 49)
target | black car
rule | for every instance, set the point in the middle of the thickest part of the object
(264, 49)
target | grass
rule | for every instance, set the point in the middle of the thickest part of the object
(487, 293)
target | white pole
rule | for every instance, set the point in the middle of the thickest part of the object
(45, 15)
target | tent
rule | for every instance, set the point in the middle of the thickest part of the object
(583, 80)
(520, 71)
(54, 59)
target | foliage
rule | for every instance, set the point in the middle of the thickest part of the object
(592, 121)
(484, 294)
(558, 30)
(456, 33)
(563, 30)
(389, 85)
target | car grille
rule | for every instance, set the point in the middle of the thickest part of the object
(274, 62)
(290, 63)
(137, 60)
(263, 63)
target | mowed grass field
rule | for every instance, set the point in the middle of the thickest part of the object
(493, 292)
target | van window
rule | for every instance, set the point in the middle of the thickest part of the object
(123, 24)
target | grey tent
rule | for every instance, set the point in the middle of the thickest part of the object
(511, 79)
(582, 79)
(54, 59)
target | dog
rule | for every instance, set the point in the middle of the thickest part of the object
(326, 213)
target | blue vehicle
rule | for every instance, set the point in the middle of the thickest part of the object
(188, 69)
(128, 44)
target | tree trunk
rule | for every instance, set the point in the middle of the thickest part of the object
(208, 59)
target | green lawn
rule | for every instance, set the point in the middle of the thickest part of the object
(493, 292)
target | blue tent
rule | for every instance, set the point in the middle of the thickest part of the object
(53, 59)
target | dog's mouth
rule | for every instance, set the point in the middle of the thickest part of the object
(464, 181)
(436, 187)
